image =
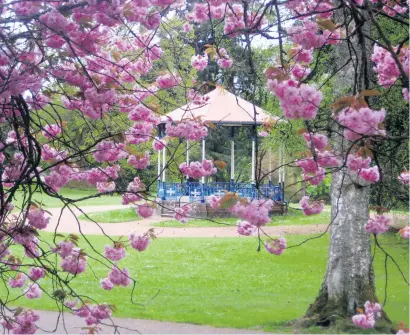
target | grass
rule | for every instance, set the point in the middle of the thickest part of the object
(293, 217)
(225, 282)
(113, 216)
(70, 193)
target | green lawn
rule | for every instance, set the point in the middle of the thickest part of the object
(71, 193)
(113, 216)
(225, 282)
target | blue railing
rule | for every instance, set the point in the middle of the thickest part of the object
(197, 192)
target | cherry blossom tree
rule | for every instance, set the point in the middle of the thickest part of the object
(102, 62)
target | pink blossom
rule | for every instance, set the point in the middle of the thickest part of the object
(106, 187)
(18, 281)
(192, 130)
(404, 178)
(197, 98)
(328, 159)
(38, 218)
(263, 133)
(74, 263)
(364, 321)
(256, 212)
(139, 243)
(114, 253)
(36, 273)
(51, 131)
(245, 228)
(214, 202)
(311, 208)
(168, 80)
(378, 224)
(24, 323)
(405, 232)
(197, 170)
(406, 95)
(187, 27)
(181, 214)
(139, 162)
(108, 151)
(276, 245)
(315, 178)
(64, 248)
(158, 144)
(145, 210)
(106, 284)
(225, 63)
(129, 198)
(356, 163)
(33, 291)
(199, 62)
(320, 141)
(119, 277)
(371, 175)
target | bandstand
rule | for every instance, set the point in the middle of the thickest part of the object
(222, 109)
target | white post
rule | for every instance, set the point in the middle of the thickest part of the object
(164, 164)
(270, 164)
(159, 165)
(283, 162)
(253, 159)
(203, 157)
(232, 159)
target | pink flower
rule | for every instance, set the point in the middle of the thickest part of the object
(18, 281)
(371, 175)
(364, 321)
(187, 27)
(311, 208)
(106, 284)
(114, 253)
(168, 80)
(119, 277)
(378, 224)
(74, 263)
(158, 144)
(320, 141)
(199, 62)
(38, 218)
(51, 131)
(181, 214)
(356, 163)
(197, 170)
(276, 245)
(405, 232)
(263, 133)
(245, 228)
(36, 273)
(33, 291)
(214, 202)
(106, 187)
(192, 130)
(315, 178)
(145, 210)
(139, 243)
(255, 212)
(404, 178)
(139, 162)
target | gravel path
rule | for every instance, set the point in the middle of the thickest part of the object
(73, 325)
(69, 224)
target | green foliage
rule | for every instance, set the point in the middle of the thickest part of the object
(321, 191)
(225, 282)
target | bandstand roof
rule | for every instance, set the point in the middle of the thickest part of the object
(222, 108)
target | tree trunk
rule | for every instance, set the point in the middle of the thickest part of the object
(349, 280)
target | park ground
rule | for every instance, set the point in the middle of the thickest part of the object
(202, 273)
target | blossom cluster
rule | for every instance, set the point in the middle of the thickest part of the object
(367, 319)
(192, 130)
(197, 170)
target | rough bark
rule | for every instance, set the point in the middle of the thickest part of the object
(349, 280)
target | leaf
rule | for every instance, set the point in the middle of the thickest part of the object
(228, 200)
(359, 103)
(220, 164)
(369, 93)
(154, 107)
(211, 51)
(18, 311)
(210, 124)
(342, 103)
(326, 25)
(301, 131)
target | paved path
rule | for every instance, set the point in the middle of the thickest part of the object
(73, 325)
(69, 224)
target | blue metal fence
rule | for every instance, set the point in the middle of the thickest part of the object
(197, 191)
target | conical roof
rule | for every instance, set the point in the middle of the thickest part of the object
(222, 108)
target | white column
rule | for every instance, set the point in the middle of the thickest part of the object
(283, 162)
(280, 165)
(253, 159)
(233, 158)
(270, 164)
(164, 164)
(203, 157)
(159, 164)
